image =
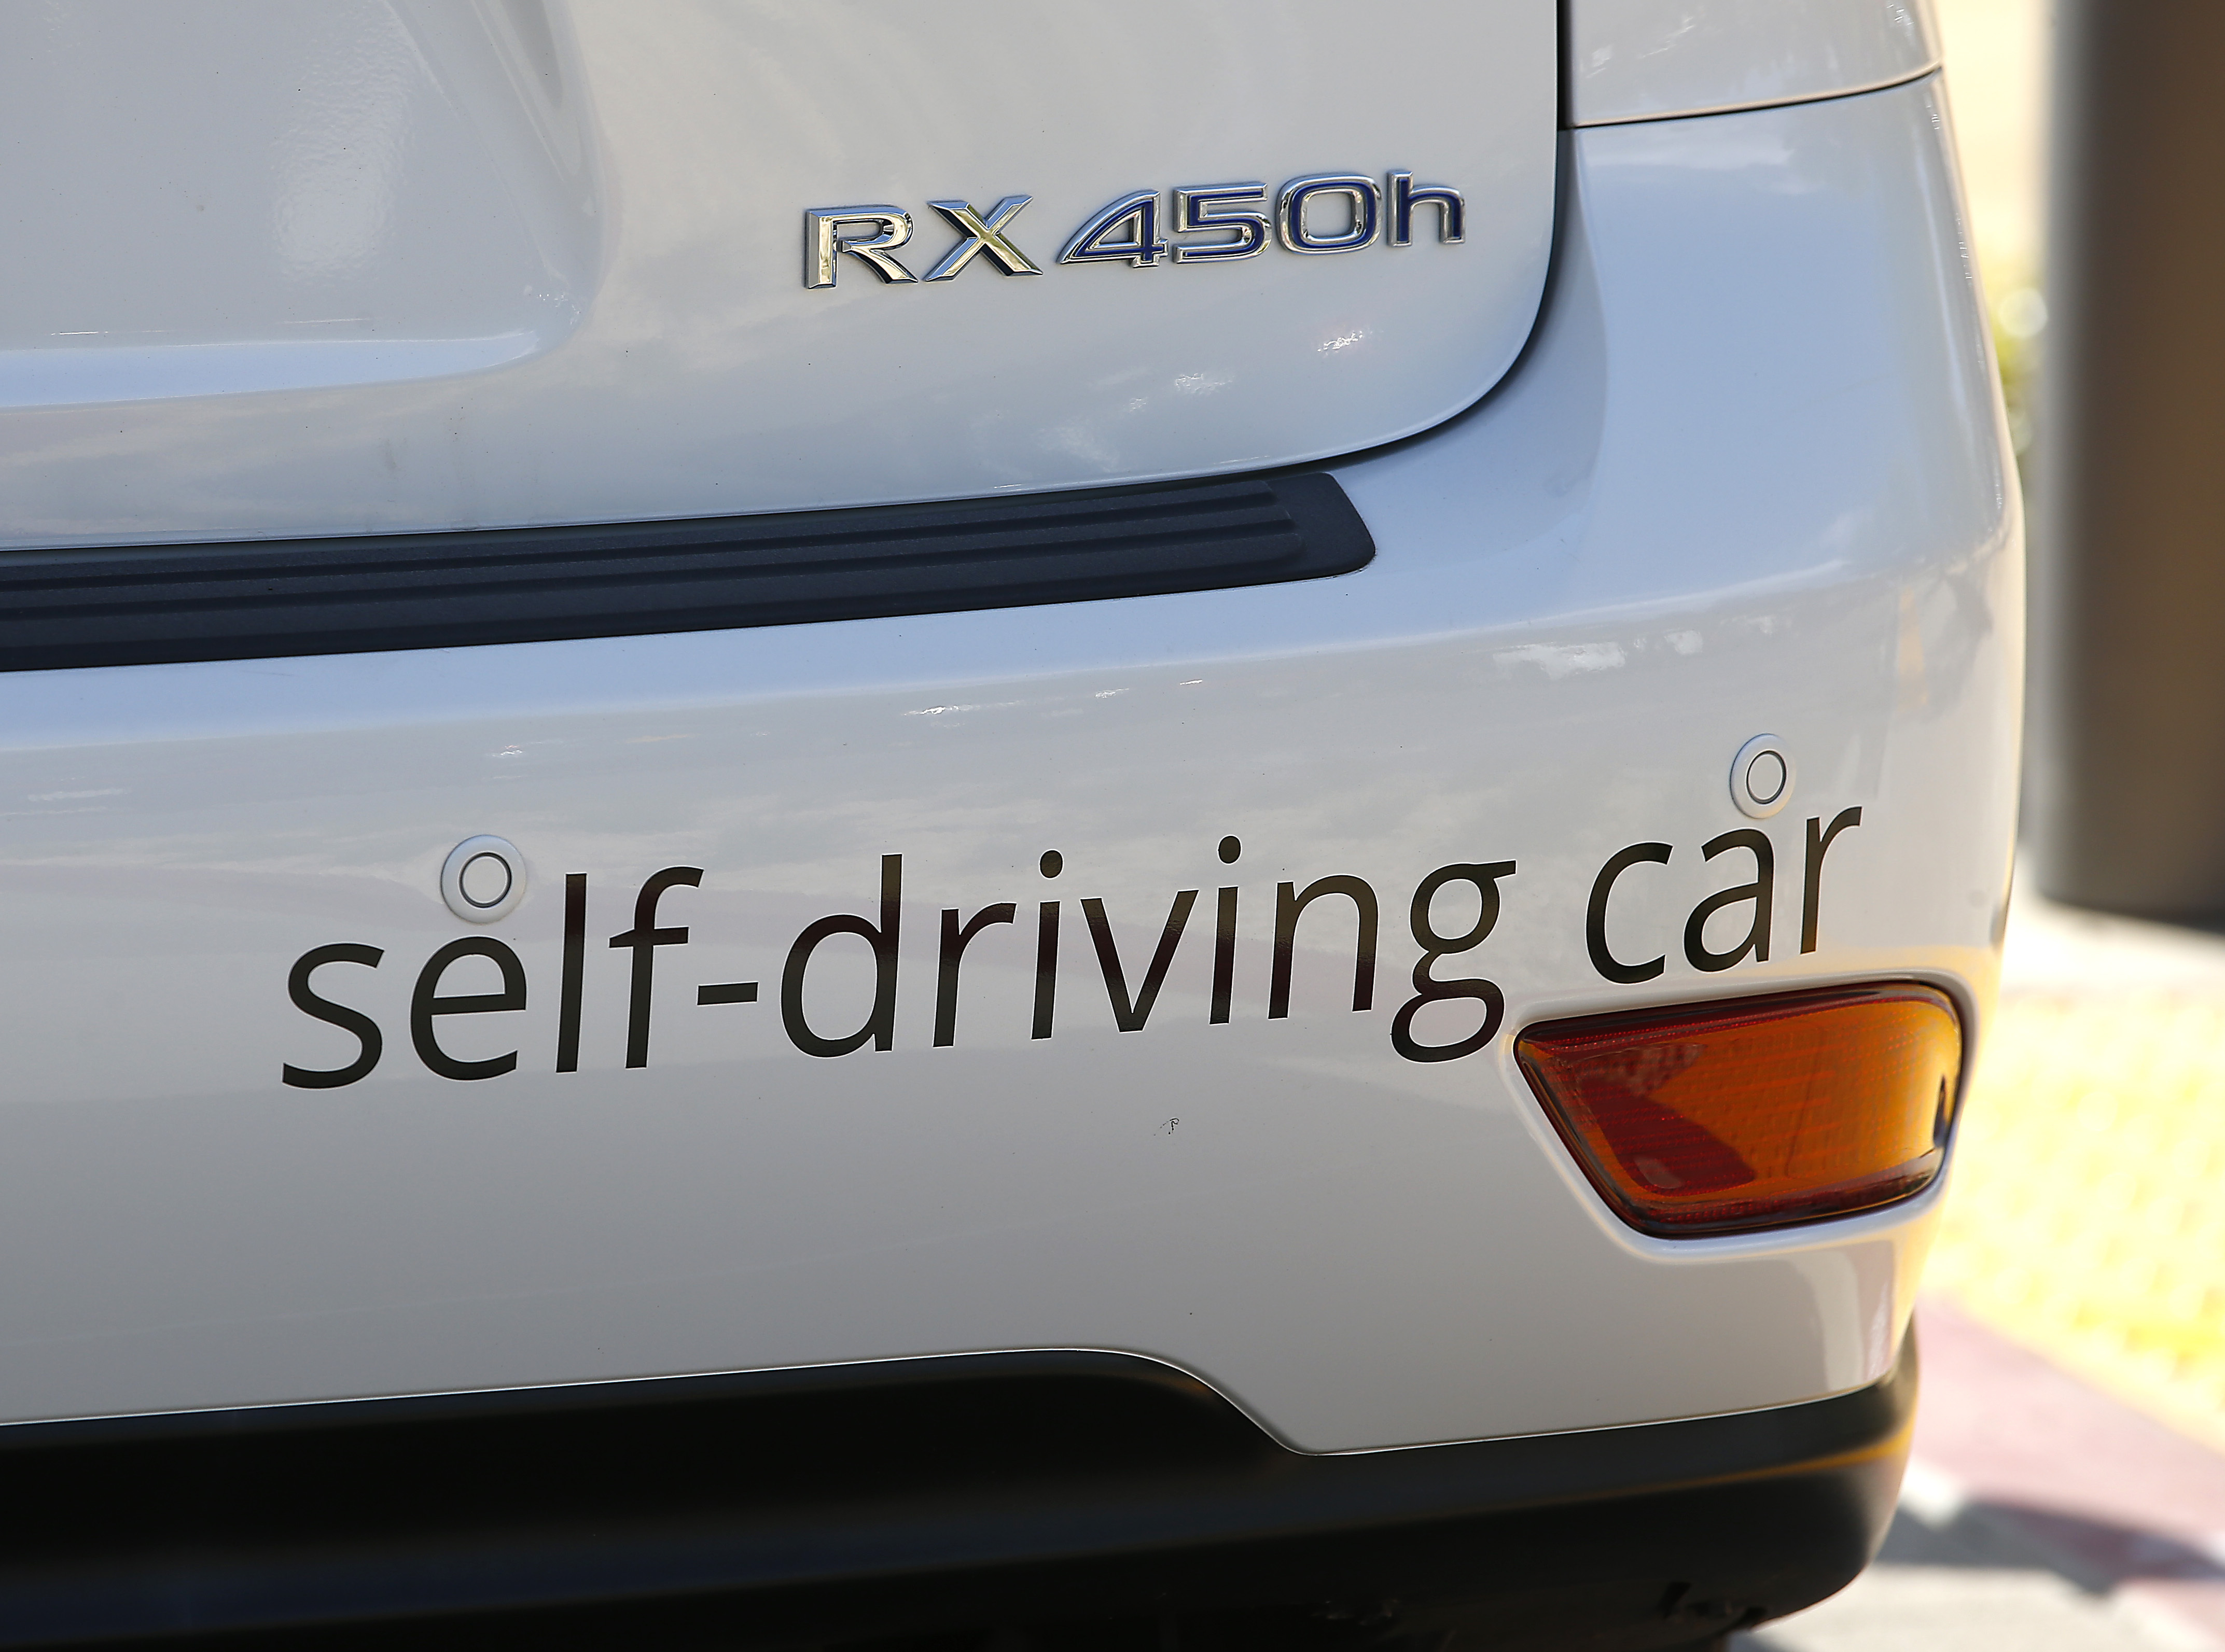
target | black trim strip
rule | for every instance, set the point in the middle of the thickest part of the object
(138, 605)
(863, 1500)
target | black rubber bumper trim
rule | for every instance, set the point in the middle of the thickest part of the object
(858, 1501)
(141, 604)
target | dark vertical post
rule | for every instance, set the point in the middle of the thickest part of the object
(2127, 747)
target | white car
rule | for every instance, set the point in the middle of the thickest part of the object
(1167, 825)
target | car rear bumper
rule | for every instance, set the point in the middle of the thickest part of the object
(1099, 1492)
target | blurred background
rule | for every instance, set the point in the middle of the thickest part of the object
(2068, 1487)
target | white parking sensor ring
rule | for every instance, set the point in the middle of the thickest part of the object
(483, 879)
(1762, 776)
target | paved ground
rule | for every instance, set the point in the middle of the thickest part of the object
(2087, 1215)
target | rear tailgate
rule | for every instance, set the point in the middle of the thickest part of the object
(306, 267)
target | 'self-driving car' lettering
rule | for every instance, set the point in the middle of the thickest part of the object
(1131, 985)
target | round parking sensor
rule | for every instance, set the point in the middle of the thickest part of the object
(483, 879)
(1762, 776)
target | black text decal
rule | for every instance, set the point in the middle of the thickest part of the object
(354, 1021)
(1450, 1015)
(1758, 895)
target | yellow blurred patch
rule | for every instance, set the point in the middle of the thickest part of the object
(2086, 1218)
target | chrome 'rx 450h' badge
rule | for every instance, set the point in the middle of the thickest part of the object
(1319, 213)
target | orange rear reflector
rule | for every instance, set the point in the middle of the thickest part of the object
(1754, 1112)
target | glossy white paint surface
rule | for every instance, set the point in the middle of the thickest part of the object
(207, 199)
(1644, 60)
(1752, 477)
(343, 266)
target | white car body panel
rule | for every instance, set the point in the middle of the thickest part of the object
(1651, 59)
(268, 195)
(434, 269)
(1749, 476)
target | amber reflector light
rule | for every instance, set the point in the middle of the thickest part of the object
(1758, 1112)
